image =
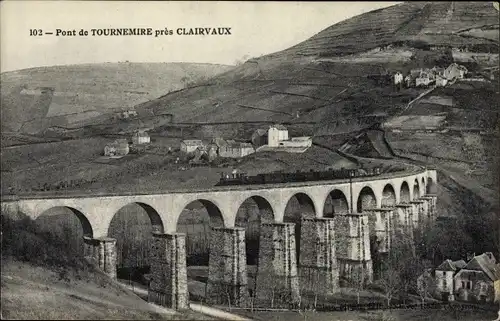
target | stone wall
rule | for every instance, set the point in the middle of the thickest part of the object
(227, 272)
(168, 284)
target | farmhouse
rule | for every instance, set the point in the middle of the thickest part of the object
(233, 149)
(444, 278)
(259, 137)
(441, 81)
(457, 280)
(424, 79)
(190, 145)
(475, 282)
(118, 148)
(455, 71)
(141, 137)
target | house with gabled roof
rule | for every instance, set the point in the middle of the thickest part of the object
(476, 280)
(443, 277)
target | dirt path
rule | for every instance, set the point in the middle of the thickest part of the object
(213, 312)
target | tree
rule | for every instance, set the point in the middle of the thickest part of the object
(399, 271)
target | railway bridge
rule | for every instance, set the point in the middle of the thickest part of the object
(340, 219)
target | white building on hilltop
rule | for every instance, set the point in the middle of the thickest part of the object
(276, 134)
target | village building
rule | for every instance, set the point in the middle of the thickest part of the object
(398, 78)
(441, 81)
(212, 151)
(455, 71)
(190, 145)
(276, 134)
(126, 114)
(233, 149)
(259, 137)
(444, 278)
(475, 281)
(424, 79)
(118, 148)
(141, 137)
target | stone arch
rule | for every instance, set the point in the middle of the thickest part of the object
(388, 196)
(66, 226)
(196, 221)
(153, 215)
(251, 213)
(131, 225)
(85, 223)
(298, 206)
(305, 202)
(416, 189)
(266, 212)
(366, 199)
(404, 193)
(335, 202)
(423, 186)
(431, 186)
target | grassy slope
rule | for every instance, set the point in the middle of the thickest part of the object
(34, 292)
(82, 92)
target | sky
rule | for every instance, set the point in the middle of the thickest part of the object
(257, 28)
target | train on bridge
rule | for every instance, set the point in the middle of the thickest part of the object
(299, 176)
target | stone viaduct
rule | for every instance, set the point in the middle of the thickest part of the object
(335, 233)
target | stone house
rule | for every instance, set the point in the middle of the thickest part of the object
(276, 134)
(117, 148)
(441, 81)
(455, 71)
(233, 149)
(424, 79)
(259, 138)
(190, 145)
(212, 151)
(475, 281)
(141, 137)
(398, 78)
(443, 275)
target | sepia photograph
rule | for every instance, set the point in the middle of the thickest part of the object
(250, 160)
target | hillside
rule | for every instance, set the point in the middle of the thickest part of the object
(316, 94)
(45, 278)
(72, 96)
(333, 78)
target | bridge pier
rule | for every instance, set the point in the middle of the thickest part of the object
(418, 212)
(403, 222)
(431, 200)
(353, 248)
(380, 223)
(318, 268)
(168, 285)
(227, 271)
(102, 252)
(277, 279)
